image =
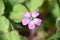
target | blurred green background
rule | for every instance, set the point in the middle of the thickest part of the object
(11, 14)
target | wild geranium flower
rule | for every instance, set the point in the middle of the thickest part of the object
(31, 20)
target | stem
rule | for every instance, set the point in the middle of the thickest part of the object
(32, 32)
(12, 27)
(44, 9)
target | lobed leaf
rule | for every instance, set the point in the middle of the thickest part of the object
(4, 24)
(55, 11)
(33, 4)
(13, 2)
(14, 35)
(1, 7)
(17, 14)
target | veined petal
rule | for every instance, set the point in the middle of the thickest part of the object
(31, 25)
(35, 14)
(25, 21)
(37, 21)
(26, 14)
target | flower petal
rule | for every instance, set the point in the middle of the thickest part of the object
(31, 25)
(35, 14)
(26, 14)
(25, 21)
(37, 21)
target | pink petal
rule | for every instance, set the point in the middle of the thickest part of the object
(25, 21)
(31, 25)
(37, 21)
(35, 14)
(26, 14)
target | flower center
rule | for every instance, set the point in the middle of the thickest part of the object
(31, 16)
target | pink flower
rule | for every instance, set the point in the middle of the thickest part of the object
(31, 20)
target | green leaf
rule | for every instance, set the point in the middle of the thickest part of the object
(17, 14)
(23, 38)
(58, 23)
(55, 11)
(4, 24)
(1, 7)
(58, 26)
(34, 4)
(14, 35)
(53, 37)
(4, 36)
(13, 2)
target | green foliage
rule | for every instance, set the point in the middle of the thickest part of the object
(56, 35)
(58, 26)
(4, 36)
(53, 37)
(33, 4)
(23, 38)
(14, 35)
(55, 11)
(1, 7)
(11, 15)
(17, 13)
(4, 24)
(14, 2)
(9, 36)
(53, 8)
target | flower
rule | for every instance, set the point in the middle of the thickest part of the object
(31, 20)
